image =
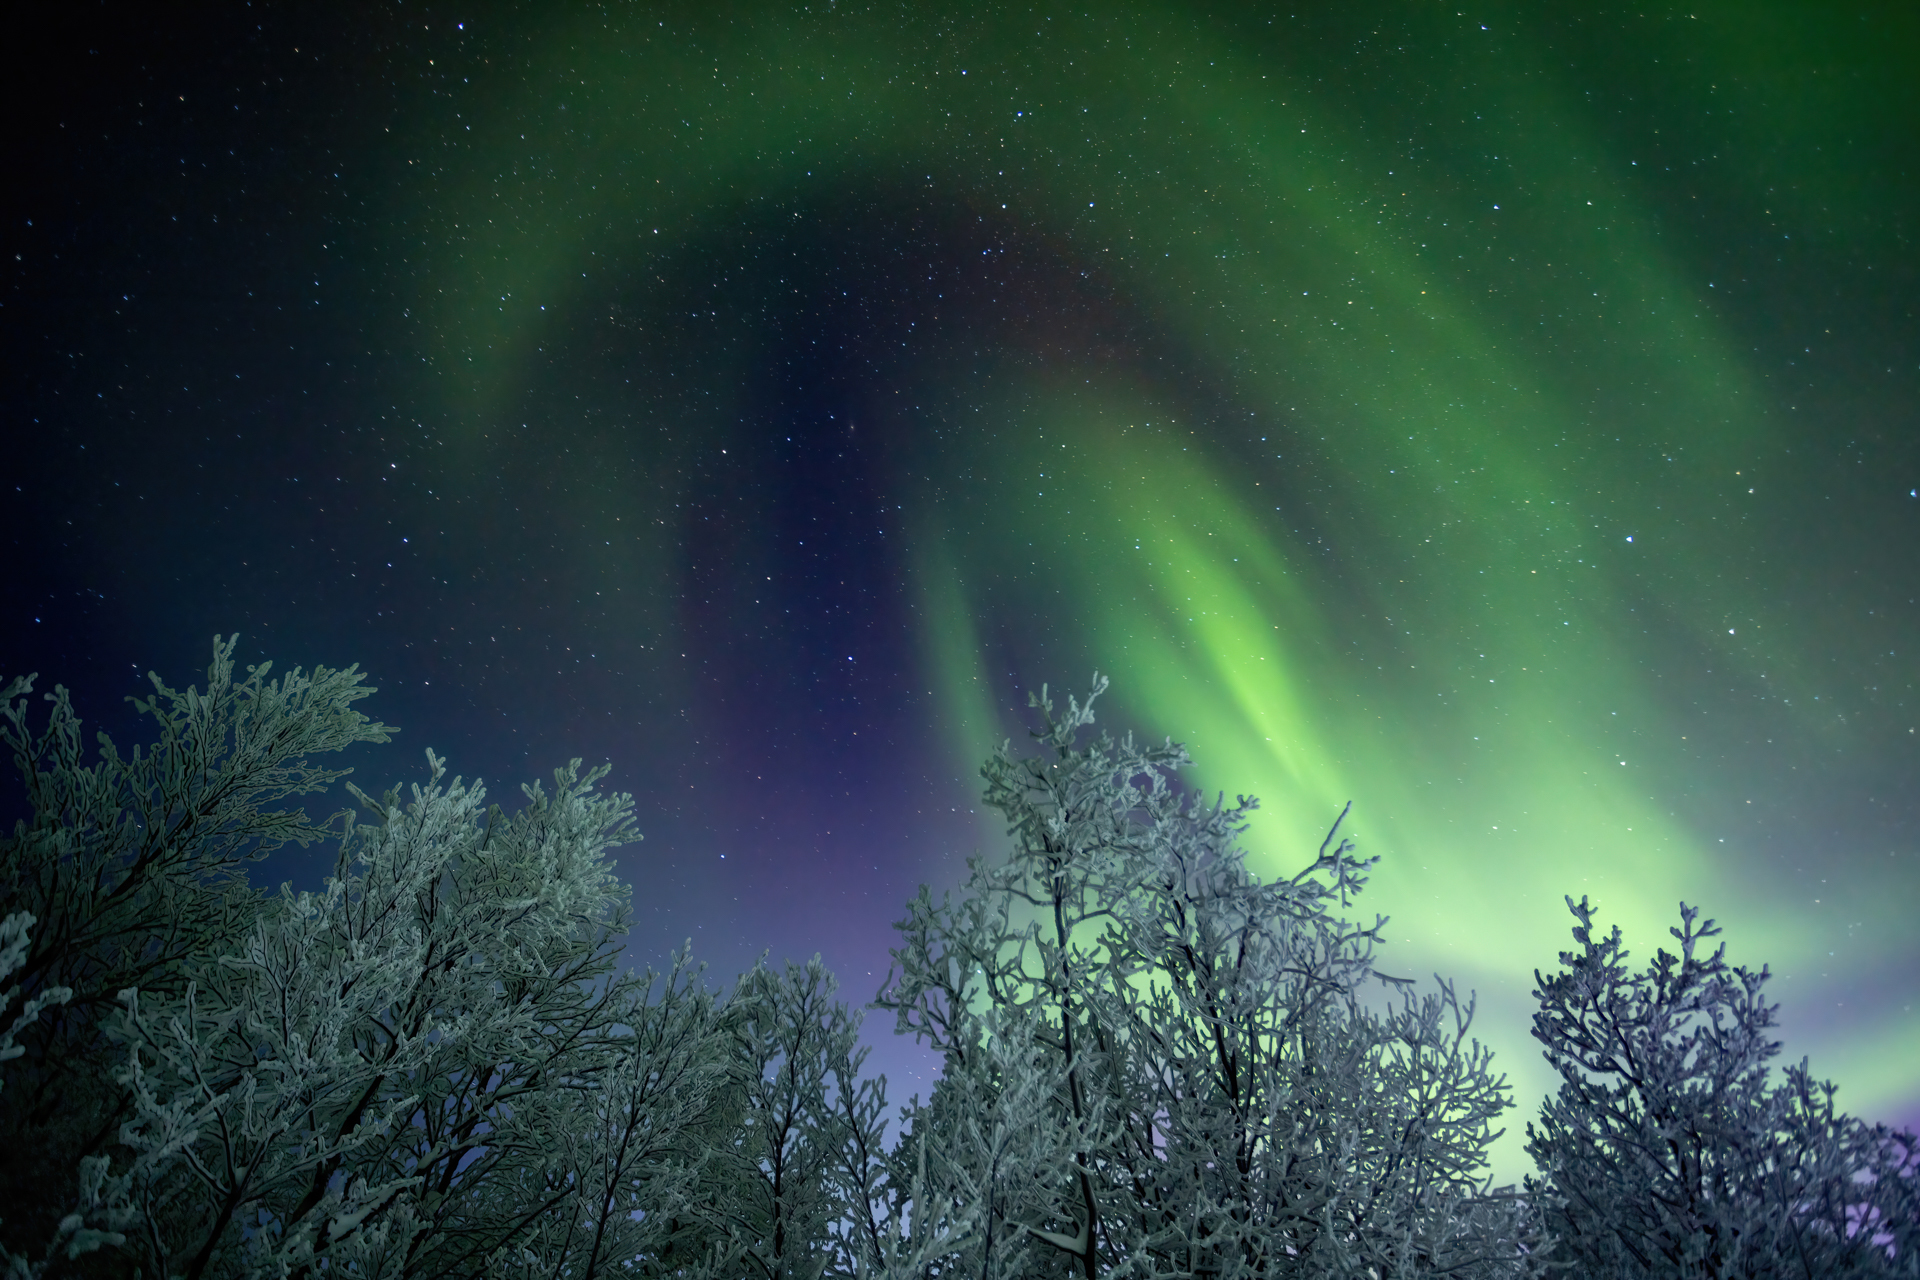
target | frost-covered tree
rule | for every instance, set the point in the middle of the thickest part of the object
(1669, 1152)
(1201, 1086)
(809, 1185)
(129, 867)
(93, 1223)
(13, 949)
(429, 1067)
(981, 1173)
(788, 1199)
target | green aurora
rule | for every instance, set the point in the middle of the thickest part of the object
(1390, 399)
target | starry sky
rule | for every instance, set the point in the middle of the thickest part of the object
(1500, 417)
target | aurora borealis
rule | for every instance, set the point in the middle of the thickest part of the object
(1501, 419)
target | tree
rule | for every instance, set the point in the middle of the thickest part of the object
(1667, 1152)
(129, 867)
(981, 1173)
(95, 1224)
(428, 1067)
(1154, 1063)
(1214, 1094)
(788, 1195)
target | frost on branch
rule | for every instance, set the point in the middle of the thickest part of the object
(430, 1063)
(1668, 1152)
(74, 1236)
(131, 867)
(1199, 1086)
(429, 1066)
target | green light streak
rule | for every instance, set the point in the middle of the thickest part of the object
(1446, 635)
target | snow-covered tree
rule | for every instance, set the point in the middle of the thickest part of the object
(13, 949)
(428, 1067)
(1155, 1064)
(1202, 1087)
(787, 1196)
(431, 1066)
(981, 1173)
(129, 867)
(94, 1222)
(1669, 1152)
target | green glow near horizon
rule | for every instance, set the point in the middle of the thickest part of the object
(1452, 650)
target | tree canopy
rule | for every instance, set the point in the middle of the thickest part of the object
(1154, 1063)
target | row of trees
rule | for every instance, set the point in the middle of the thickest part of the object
(1154, 1063)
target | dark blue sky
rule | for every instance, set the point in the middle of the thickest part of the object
(1504, 420)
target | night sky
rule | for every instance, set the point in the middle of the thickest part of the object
(1503, 418)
